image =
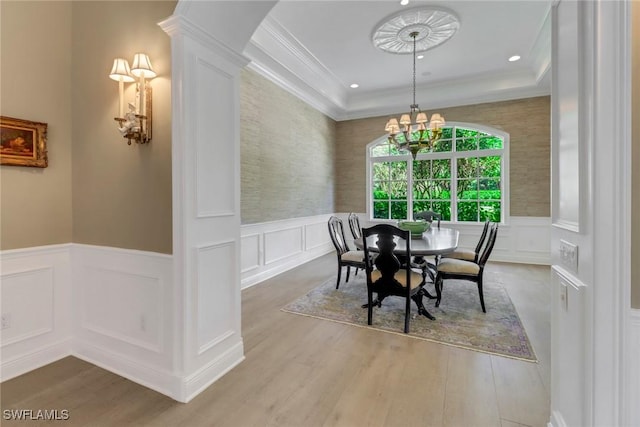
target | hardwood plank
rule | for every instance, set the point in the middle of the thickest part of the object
(470, 392)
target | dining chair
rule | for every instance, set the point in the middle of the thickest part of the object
(428, 216)
(467, 254)
(346, 257)
(452, 268)
(386, 275)
(354, 225)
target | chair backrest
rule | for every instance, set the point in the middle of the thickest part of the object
(493, 233)
(336, 231)
(354, 225)
(482, 237)
(428, 216)
(386, 261)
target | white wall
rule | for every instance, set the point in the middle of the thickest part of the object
(109, 306)
(35, 290)
(269, 248)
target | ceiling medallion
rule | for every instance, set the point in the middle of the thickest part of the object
(433, 25)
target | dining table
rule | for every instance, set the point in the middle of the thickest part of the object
(436, 241)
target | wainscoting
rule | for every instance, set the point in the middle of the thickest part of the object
(123, 313)
(35, 285)
(111, 307)
(270, 248)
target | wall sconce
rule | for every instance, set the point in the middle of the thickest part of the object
(136, 123)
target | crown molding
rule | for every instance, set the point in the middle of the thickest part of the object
(278, 56)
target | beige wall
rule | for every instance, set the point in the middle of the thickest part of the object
(287, 154)
(635, 188)
(526, 120)
(35, 85)
(121, 193)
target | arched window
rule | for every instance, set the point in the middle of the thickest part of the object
(464, 178)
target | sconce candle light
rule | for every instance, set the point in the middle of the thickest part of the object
(136, 123)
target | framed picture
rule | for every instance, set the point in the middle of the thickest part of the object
(23, 143)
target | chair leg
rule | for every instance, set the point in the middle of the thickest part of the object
(407, 312)
(481, 294)
(438, 286)
(348, 272)
(370, 307)
(339, 274)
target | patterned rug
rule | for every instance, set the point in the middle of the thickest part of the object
(459, 322)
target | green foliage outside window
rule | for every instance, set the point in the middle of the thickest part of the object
(478, 180)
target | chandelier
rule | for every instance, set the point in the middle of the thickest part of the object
(414, 132)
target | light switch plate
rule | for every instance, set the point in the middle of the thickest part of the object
(569, 255)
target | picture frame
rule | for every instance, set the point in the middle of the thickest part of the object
(23, 142)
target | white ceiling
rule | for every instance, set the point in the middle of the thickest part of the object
(316, 49)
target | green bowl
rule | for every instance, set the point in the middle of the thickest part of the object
(415, 227)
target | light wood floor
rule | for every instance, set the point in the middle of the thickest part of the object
(301, 371)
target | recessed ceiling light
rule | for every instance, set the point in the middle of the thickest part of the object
(514, 58)
(420, 56)
(354, 85)
(404, 2)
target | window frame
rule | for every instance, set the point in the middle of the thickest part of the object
(452, 155)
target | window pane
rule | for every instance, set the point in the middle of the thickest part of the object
(490, 211)
(491, 142)
(381, 190)
(393, 150)
(398, 189)
(420, 206)
(444, 209)
(466, 144)
(462, 133)
(398, 171)
(468, 189)
(441, 190)
(381, 210)
(468, 167)
(492, 184)
(447, 133)
(421, 190)
(490, 166)
(442, 146)
(441, 168)
(398, 210)
(380, 150)
(467, 211)
(422, 169)
(381, 171)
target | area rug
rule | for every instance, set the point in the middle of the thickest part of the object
(459, 322)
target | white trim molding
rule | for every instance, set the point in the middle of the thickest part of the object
(632, 385)
(271, 248)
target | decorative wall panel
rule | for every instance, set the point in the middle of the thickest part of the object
(215, 297)
(214, 160)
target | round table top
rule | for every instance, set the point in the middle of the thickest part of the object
(435, 241)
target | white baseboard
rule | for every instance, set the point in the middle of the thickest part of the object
(135, 370)
(632, 388)
(195, 383)
(556, 420)
(34, 359)
(271, 248)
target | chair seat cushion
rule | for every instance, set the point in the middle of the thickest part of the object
(401, 277)
(461, 254)
(353, 256)
(458, 266)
